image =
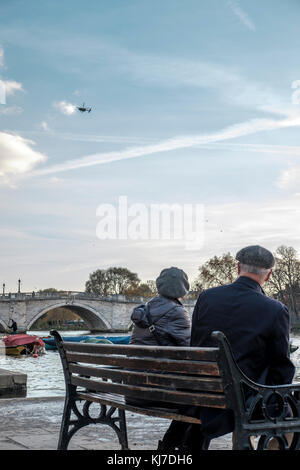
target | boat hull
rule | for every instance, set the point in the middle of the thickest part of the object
(15, 350)
(51, 345)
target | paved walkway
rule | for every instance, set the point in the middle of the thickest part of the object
(33, 424)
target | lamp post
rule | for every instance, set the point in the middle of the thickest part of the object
(19, 286)
(3, 286)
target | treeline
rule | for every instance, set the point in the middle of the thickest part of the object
(283, 285)
(118, 281)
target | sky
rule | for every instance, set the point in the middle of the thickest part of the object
(193, 103)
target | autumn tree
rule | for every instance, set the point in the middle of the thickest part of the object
(217, 271)
(114, 280)
(284, 284)
(152, 286)
(144, 289)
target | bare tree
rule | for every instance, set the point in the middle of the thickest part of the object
(139, 290)
(217, 271)
(111, 281)
(285, 280)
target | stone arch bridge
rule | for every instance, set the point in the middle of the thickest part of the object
(110, 314)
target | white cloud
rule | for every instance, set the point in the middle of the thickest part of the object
(245, 223)
(229, 82)
(290, 179)
(45, 126)
(11, 86)
(65, 107)
(7, 87)
(17, 156)
(11, 110)
(241, 14)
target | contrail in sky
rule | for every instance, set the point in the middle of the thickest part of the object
(231, 132)
(241, 14)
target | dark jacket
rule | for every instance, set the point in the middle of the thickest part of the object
(256, 326)
(173, 325)
(171, 320)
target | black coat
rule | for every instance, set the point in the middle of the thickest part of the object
(257, 328)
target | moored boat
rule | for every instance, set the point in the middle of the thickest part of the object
(50, 342)
(23, 345)
(96, 341)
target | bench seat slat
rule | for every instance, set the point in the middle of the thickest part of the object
(157, 394)
(161, 352)
(187, 367)
(187, 382)
(119, 402)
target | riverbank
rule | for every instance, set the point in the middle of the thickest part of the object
(34, 423)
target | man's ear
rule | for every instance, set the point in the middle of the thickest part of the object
(239, 268)
(268, 275)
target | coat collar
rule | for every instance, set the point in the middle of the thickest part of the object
(177, 301)
(250, 283)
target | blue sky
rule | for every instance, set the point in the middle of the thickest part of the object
(198, 92)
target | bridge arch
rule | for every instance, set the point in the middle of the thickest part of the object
(94, 319)
(3, 326)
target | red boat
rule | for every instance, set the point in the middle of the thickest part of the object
(22, 344)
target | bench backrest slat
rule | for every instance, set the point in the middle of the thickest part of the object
(165, 365)
(161, 395)
(186, 382)
(160, 352)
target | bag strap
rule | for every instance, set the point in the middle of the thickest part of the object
(160, 340)
(152, 327)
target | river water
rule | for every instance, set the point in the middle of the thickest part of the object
(45, 376)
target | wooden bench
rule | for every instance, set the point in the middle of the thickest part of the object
(107, 374)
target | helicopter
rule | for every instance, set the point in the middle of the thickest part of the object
(83, 108)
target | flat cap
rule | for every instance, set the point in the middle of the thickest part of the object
(256, 255)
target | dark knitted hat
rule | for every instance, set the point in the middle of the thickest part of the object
(172, 282)
(256, 255)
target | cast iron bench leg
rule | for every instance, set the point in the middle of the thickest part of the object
(123, 428)
(105, 418)
(64, 436)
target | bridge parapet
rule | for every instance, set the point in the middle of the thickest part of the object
(110, 313)
(21, 296)
(67, 295)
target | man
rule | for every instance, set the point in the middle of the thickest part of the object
(257, 328)
(13, 326)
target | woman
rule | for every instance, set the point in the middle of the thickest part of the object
(172, 328)
(171, 320)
